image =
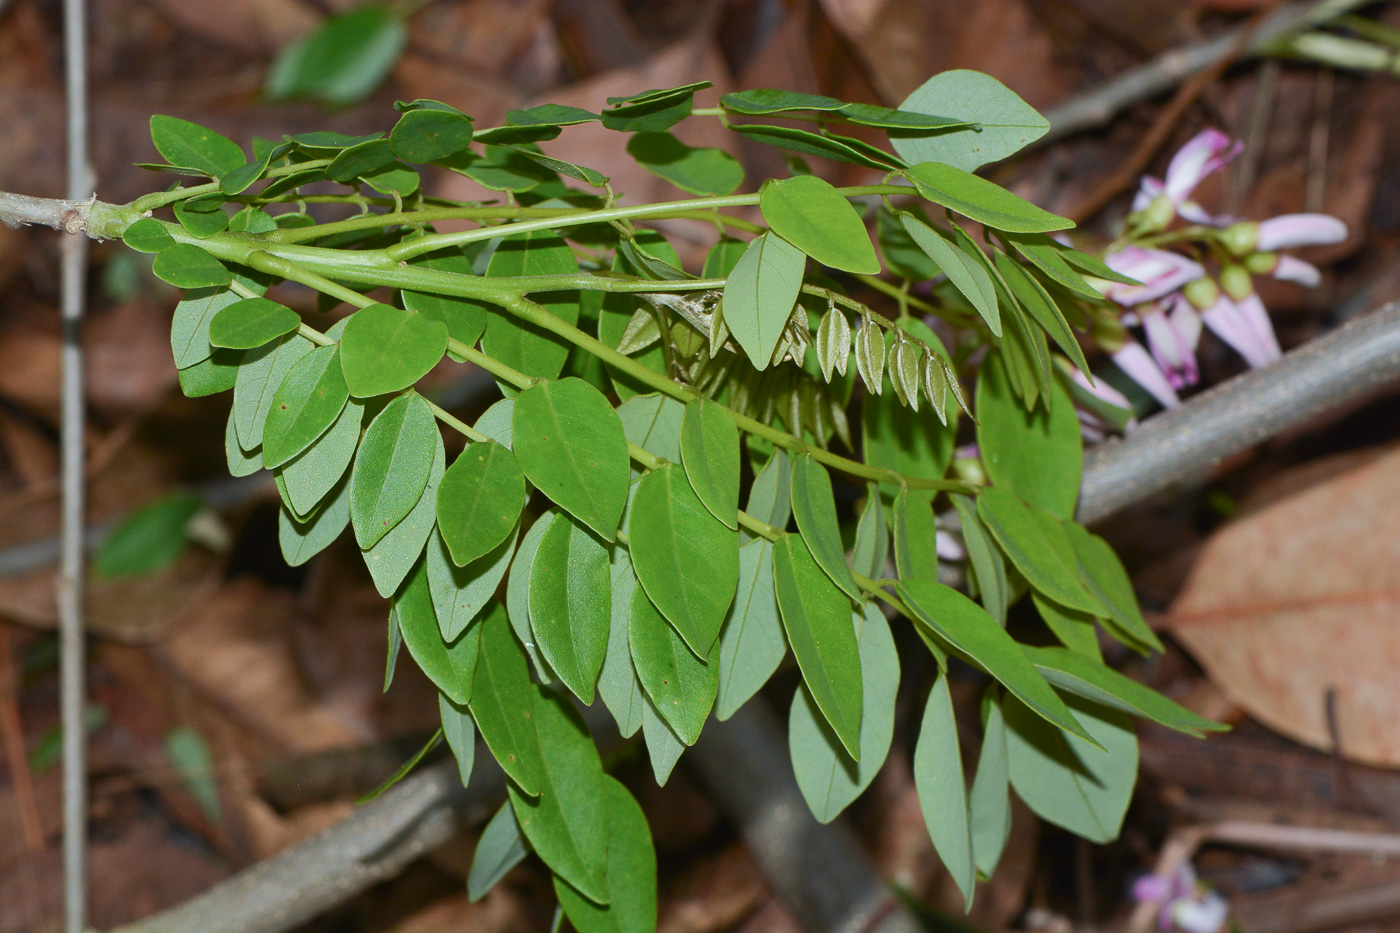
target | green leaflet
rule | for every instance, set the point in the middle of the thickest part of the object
(700, 171)
(988, 567)
(1074, 673)
(301, 541)
(465, 318)
(817, 617)
(385, 349)
(190, 145)
(343, 60)
(967, 273)
(502, 702)
(815, 507)
(189, 328)
(1002, 123)
(404, 769)
(967, 627)
(240, 462)
(1103, 574)
(752, 643)
(1037, 455)
(500, 848)
(461, 593)
(218, 373)
(710, 453)
(617, 682)
(664, 748)
(682, 686)
(827, 145)
(915, 537)
(147, 236)
(259, 376)
(1044, 253)
(391, 468)
(653, 422)
(460, 732)
(394, 555)
(1064, 779)
(1074, 629)
(564, 823)
(251, 323)
(309, 400)
(148, 539)
(530, 349)
(479, 501)
(630, 868)
(1033, 297)
(518, 592)
(989, 804)
(495, 422)
(570, 604)
(770, 494)
(391, 658)
(450, 667)
(686, 560)
(427, 135)
(185, 265)
(938, 780)
(760, 294)
(983, 201)
(1024, 540)
(311, 474)
(571, 445)
(828, 778)
(812, 215)
(872, 538)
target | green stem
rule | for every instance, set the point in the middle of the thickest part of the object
(159, 199)
(457, 424)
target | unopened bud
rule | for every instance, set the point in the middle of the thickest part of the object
(970, 470)
(1156, 216)
(1236, 281)
(1261, 263)
(1202, 293)
(1240, 238)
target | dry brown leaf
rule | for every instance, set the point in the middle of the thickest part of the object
(1297, 601)
(247, 25)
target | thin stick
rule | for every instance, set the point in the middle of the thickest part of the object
(72, 690)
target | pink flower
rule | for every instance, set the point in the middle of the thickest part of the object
(1244, 325)
(1206, 152)
(1173, 337)
(1182, 901)
(1295, 270)
(1091, 426)
(1134, 360)
(1292, 230)
(1159, 271)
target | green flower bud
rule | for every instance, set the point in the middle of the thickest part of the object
(1241, 238)
(1261, 263)
(1156, 216)
(1202, 293)
(1236, 281)
(970, 470)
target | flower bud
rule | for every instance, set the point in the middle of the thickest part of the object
(1202, 293)
(1261, 263)
(970, 470)
(1157, 215)
(1236, 281)
(1240, 238)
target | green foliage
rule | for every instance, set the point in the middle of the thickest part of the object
(639, 399)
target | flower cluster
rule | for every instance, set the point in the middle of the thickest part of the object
(1183, 901)
(1178, 294)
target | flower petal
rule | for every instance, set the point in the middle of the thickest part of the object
(1159, 271)
(1172, 340)
(1289, 230)
(1204, 153)
(1147, 192)
(1134, 360)
(1245, 326)
(1295, 270)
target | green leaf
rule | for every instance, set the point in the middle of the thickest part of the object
(259, 376)
(813, 216)
(577, 172)
(967, 627)
(495, 422)
(1002, 122)
(428, 135)
(770, 495)
(872, 542)
(185, 265)
(570, 604)
(202, 217)
(302, 540)
(915, 536)
(147, 236)
(617, 682)
(392, 466)
(451, 667)
(815, 507)
(664, 748)
(404, 768)
(686, 559)
(464, 317)
(938, 780)
(360, 159)
(343, 60)
(1033, 297)
(682, 686)
(190, 145)
(1066, 780)
(1103, 574)
(760, 293)
(630, 868)
(147, 539)
(518, 591)
(480, 501)
(983, 201)
(571, 445)
(395, 554)
(967, 274)
(651, 111)
(385, 349)
(243, 177)
(461, 593)
(394, 179)
(306, 404)
(500, 848)
(723, 257)
(989, 804)
(710, 453)
(502, 702)
(700, 171)
(460, 732)
(826, 775)
(210, 376)
(241, 462)
(654, 423)
(1074, 629)
(564, 823)
(1074, 673)
(311, 474)
(189, 328)
(250, 323)
(889, 118)
(1037, 455)
(1023, 539)
(752, 643)
(1045, 254)
(825, 145)
(765, 100)
(551, 115)
(988, 568)
(189, 753)
(530, 349)
(817, 617)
